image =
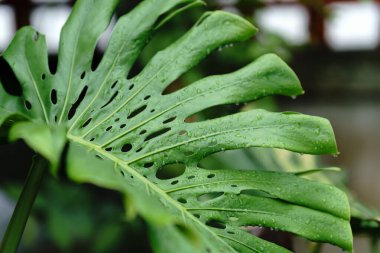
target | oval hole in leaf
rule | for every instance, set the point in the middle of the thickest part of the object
(148, 165)
(96, 60)
(170, 171)
(126, 147)
(75, 106)
(28, 105)
(211, 176)
(216, 224)
(209, 196)
(86, 123)
(137, 111)
(157, 133)
(182, 200)
(169, 120)
(257, 193)
(213, 113)
(53, 96)
(114, 84)
(110, 100)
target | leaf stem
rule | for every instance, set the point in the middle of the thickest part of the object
(24, 204)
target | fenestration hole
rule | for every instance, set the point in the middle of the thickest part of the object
(157, 133)
(110, 100)
(114, 84)
(216, 224)
(169, 120)
(28, 105)
(148, 165)
(53, 96)
(182, 200)
(126, 147)
(86, 123)
(75, 106)
(170, 171)
(137, 112)
(209, 196)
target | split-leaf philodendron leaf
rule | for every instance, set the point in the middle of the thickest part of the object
(123, 132)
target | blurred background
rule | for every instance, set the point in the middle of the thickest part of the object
(333, 46)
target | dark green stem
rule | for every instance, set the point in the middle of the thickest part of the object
(24, 204)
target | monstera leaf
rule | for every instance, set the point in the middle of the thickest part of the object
(125, 134)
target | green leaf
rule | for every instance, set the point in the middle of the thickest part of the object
(308, 167)
(125, 135)
(171, 238)
(49, 141)
(10, 106)
(84, 167)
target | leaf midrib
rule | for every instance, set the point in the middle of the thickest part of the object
(146, 182)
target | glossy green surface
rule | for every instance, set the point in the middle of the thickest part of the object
(123, 132)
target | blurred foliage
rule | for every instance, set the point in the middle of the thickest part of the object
(75, 218)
